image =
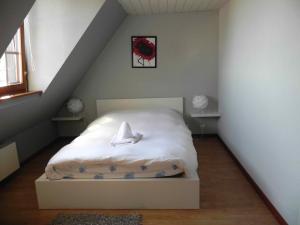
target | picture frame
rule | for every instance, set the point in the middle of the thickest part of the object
(144, 51)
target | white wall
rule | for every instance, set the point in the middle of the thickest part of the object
(259, 95)
(35, 138)
(187, 62)
(55, 28)
(26, 120)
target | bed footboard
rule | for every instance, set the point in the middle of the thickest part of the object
(154, 193)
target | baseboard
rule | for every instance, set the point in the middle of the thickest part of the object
(269, 204)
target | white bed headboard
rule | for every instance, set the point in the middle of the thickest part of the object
(108, 105)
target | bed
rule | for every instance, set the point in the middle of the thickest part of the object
(157, 172)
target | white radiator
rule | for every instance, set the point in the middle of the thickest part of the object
(9, 161)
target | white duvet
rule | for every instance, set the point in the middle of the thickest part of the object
(166, 148)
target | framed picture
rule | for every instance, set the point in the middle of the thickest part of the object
(143, 51)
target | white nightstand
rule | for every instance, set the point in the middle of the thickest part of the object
(204, 118)
(67, 118)
(205, 115)
(69, 126)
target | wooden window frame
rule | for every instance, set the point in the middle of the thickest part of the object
(21, 87)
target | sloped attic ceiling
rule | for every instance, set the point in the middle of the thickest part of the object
(18, 115)
(12, 13)
(53, 28)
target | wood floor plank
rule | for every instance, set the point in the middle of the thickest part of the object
(227, 198)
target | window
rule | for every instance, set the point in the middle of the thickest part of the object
(12, 66)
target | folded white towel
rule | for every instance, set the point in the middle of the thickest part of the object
(125, 135)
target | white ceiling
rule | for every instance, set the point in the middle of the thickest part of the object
(148, 7)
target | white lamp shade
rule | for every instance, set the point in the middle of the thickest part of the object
(200, 102)
(75, 105)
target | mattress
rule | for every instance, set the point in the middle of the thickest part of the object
(166, 148)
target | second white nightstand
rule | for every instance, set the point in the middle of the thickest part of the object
(205, 115)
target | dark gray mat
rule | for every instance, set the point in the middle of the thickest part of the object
(96, 219)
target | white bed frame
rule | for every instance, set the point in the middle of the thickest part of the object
(108, 105)
(151, 193)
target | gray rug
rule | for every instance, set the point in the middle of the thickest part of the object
(96, 219)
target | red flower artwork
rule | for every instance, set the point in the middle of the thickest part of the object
(144, 49)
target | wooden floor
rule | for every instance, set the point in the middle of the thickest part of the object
(226, 196)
